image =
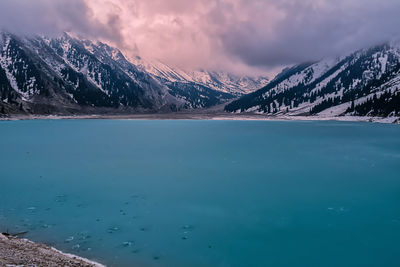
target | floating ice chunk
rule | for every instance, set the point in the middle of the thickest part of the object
(338, 209)
(188, 227)
(112, 230)
(61, 198)
(84, 236)
(69, 239)
(127, 243)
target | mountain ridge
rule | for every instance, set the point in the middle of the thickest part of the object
(217, 80)
(332, 87)
(70, 75)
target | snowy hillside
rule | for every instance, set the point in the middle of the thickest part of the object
(364, 83)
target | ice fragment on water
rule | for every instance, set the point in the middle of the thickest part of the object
(69, 239)
(127, 243)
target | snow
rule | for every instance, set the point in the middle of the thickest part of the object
(89, 47)
(253, 109)
(393, 85)
(6, 63)
(67, 48)
(330, 78)
(336, 110)
(220, 81)
(323, 66)
(383, 61)
(356, 82)
(313, 72)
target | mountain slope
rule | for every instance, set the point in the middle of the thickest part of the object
(219, 81)
(199, 89)
(26, 79)
(351, 85)
(61, 72)
(41, 75)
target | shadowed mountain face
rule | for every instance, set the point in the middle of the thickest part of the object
(364, 83)
(40, 75)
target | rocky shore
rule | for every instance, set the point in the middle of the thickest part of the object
(22, 252)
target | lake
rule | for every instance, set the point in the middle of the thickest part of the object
(205, 193)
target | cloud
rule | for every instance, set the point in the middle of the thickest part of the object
(310, 30)
(52, 17)
(249, 34)
(238, 35)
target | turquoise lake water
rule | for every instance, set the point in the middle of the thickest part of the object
(205, 193)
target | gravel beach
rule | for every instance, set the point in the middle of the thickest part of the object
(22, 252)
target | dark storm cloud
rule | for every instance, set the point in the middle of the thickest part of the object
(310, 30)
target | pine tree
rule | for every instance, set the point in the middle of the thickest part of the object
(3, 95)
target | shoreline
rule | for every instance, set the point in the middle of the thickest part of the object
(203, 116)
(20, 252)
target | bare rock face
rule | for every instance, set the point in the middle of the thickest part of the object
(21, 252)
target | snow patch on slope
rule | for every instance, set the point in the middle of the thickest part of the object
(220, 81)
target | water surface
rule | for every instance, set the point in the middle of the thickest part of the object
(205, 193)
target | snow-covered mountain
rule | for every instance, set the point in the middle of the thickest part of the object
(366, 82)
(65, 75)
(217, 80)
(42, 75)
(71, 75)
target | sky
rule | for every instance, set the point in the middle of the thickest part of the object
(241, 36)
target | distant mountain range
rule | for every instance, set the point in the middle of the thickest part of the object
(219, 81)
(66, 75)
(365, 83)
